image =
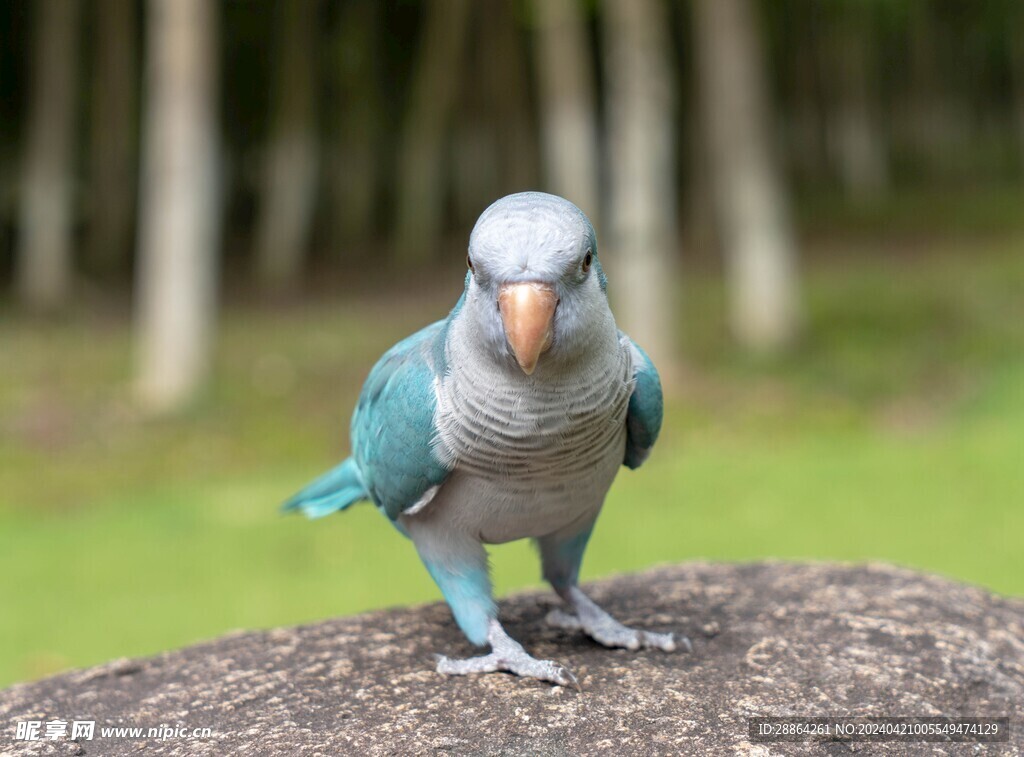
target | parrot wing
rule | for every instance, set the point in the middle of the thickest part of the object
(392, 463)
(643, 419)
(393, 432)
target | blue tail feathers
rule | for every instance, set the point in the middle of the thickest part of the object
(334, 491)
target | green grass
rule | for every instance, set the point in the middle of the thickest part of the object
(894, 432)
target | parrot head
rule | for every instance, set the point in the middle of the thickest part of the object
(535, 287)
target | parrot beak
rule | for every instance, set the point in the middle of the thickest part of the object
(527, 311)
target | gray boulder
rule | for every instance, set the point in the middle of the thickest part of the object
(769, 639)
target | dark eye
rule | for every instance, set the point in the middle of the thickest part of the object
(469, 262)
(588, 260)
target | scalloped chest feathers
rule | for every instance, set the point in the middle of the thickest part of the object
(529, 433)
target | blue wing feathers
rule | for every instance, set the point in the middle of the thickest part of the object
(393, 462)
(646, 406)
(393, 426)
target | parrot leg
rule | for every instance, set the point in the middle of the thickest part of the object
(459, 567)
(507, 654)
(561, 557)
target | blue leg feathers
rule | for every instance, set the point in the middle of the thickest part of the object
(561, 557)
(467, 589)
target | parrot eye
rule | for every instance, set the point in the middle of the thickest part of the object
(588, 260)
(469, 263)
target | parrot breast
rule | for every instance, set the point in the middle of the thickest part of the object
(530, 454)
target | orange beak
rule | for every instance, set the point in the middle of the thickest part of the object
(527, 311)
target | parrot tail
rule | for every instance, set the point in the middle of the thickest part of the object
(334, 491)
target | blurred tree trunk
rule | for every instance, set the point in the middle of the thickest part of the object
(856, 135)
(568, 117)
(697, 209)
(807, 144)
(355, 170)
(936, 122)
(179, 203)
(476, 164)
(641, 149)
(507, 72)
(44, 256)
(437, 73)
(750, 196)
(699, 232)
(289, 181)
(494, 135)
(112, 153)
(1016, 42)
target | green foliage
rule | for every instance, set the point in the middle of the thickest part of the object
(893, 433)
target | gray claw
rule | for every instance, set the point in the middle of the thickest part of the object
(566, 678)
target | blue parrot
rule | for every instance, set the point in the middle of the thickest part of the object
(507, 420)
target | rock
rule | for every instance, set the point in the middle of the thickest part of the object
(769, 639)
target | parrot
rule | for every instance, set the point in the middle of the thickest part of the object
(507, 420)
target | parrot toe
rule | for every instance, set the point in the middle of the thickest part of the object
(667, 642)
(520, 664)
(509, 656)
(606, 630)
(564, 620)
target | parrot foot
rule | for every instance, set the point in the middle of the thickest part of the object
(509, 656)
(588, 617)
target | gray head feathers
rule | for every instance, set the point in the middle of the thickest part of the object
(530, 236)
(544, 240)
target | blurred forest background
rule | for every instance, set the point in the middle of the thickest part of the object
(215, 216)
